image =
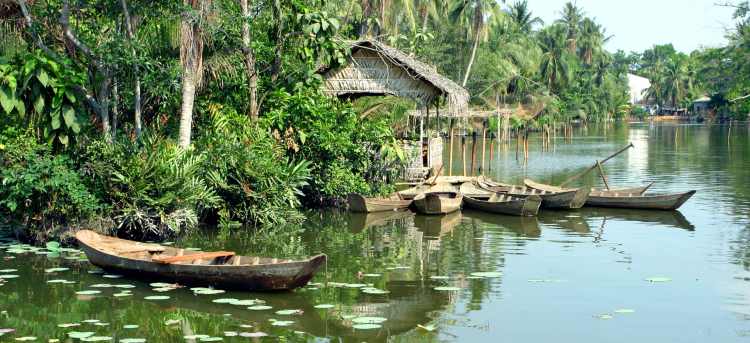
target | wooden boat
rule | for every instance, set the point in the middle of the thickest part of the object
(411, 193)
(434, 202)
(574, 198)
(358, 203)
(634, 198)
(549, 188)
(479, 199)
(615, 199)
(220, 269)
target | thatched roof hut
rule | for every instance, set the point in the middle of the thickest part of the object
(378, 69)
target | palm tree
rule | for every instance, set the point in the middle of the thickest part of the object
(571, 18)
(191, 58)
(556, 66)
(522, 17)
(474, 16)
(591, 40)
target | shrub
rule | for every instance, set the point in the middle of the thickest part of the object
(249, 170)
(43, 190)
(154, 187)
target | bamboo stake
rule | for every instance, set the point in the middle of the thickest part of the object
(473, 151)
(463, 153)
(484, 149)
(492, 153)
(450, 153)
(601, 172)
(588, 170)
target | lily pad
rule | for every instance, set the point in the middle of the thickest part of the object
(324, 306)
(625, 311)
(101, 285)
(68, 325)
(160, 284)
(157, 297)
(374, 291)
(487, 274)
(246, 302)
(428, 327)
(9, 276)
(26, 338)
(440, 277)
(224, 300)
(130, 326)
(195, 336)
(366, 326)
(6, 271)
(369, 320)
(447, 289)
(253, 334)
(211, 339)
(91, 321)
(658, 279)
(55, 270)
(259, 308)
(163, 289)
(111, 276)
(289, 312)
(282, 322)
(372, 275)
(132, 340)
(88, 292)
(79, 334)
(122, 294)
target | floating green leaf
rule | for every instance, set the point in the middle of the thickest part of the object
(487, 274)
(289, 312)
(259, 308)
(366, 326)
(225, 300)
(369, 320)
(130, 326)
(88, 292)
(282, 322)
(447, 289)
(132, 340)
(374, 291)
(324, 306)
(80, 335)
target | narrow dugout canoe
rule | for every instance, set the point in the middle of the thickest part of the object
(482, 200)
(359, 203)
(541, 186)
(613, 199)
(569, 199)
(223, 270)
(438, 202)
(506, 204)
(634, 198)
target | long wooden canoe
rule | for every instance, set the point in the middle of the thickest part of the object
(506, 204)
(549, 188)
(569, 199)
(634, 198)
(479, 199)
(359, 203)
(220, 269)
(438, 202)
(614, 199)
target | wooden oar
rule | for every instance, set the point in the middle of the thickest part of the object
(589, 169)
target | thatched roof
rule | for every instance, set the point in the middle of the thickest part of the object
(378, 69)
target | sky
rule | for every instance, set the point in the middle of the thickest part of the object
(639, 24)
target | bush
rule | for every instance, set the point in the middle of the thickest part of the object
(154, 187)
(249, 170)
(347, 154)
(42, 190)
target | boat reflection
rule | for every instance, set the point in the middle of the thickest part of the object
(673, 219)
(358, 222)
(574, 221)
(522, 226)
(436, 226)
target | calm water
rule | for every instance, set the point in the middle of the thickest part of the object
(576, 276)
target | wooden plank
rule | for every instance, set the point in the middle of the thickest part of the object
(193, 257)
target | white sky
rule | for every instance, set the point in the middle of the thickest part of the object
(639, 24)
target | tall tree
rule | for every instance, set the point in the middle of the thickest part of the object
(247, 50)
(571, 18)
(521, 16)
(474, 15)
(191, 58)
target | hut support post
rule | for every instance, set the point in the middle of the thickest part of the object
(473, 151)
(484, 147)
(450, 152)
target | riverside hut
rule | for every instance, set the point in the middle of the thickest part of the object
(376, 69)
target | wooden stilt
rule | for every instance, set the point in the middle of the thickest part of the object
(484, 149)
(473, 151)
(450, 153)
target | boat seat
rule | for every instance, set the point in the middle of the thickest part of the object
(193, 257)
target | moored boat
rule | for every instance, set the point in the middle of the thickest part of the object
(615, 199)
(568, 199)
(506, 204)
(549, 188)
(220, 269)
(434, 202)
(359, 203)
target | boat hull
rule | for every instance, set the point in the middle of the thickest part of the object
(358, 203)
(665, 202)
(524, 207)
(568, 199)
(438, 203)
(260, 277)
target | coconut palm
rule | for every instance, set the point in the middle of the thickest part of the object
(556, 67)
(191, 58)
(591, 40)
(571, 18)
(522, 17)
(474, 16)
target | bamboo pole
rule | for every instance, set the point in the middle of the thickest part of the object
(588, 170)
(492, 153)
(601, 172)
(473, 151)
(463, 152)
(450, 153)
(484, 149)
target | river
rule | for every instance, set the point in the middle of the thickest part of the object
(589, 275)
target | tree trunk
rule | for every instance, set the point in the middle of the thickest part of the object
(366, 13)
(105, 88)
(471, 59)
(137, 96)
(115, 110)
(247, 49)
(191, 52)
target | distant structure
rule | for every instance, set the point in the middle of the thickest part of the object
(701, 105)
(638, 86)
